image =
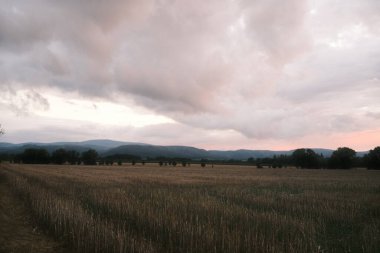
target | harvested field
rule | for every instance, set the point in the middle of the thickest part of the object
(193, 209)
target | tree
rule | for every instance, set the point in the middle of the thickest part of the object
(109, 161)
(59, 156)
(373, 159)
(89, 157)
(342, 158)
(73, 157)
(1, 133)
(306, 158)
(35, 156)
(251, 160)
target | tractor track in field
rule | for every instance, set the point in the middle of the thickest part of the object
(18, 234)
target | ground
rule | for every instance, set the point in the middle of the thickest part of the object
(18, 233)
(148, 208)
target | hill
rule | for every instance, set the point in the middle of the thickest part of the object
(111, 147)
(100, 146)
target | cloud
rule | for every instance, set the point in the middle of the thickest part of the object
(278, 28)
(175, 54)
(261, 69)
(375, 115)
(22, 102)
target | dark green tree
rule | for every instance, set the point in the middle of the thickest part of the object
(373, 159)
(35, 156)
(306, 159)
(89, 157)
(59, 156)
(251, 160)
(73, 157)
(342, 158)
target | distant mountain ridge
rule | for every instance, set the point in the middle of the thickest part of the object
(153, 151)
(101, 145)
(110, 147)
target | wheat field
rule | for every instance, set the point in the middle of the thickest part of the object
(194, 209)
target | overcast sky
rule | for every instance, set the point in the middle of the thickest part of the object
(216, 74)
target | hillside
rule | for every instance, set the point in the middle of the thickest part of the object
(110, 147)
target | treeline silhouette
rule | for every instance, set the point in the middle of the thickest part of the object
(342, 158)
(59, 156)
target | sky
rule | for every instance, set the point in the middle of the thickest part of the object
(216, 74)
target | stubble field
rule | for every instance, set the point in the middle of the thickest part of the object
(193, 209)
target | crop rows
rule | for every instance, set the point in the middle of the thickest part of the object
(228, 209)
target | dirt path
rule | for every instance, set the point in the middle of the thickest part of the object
(17, 233)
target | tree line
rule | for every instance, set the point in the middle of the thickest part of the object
(342, 158)
(59, 156)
